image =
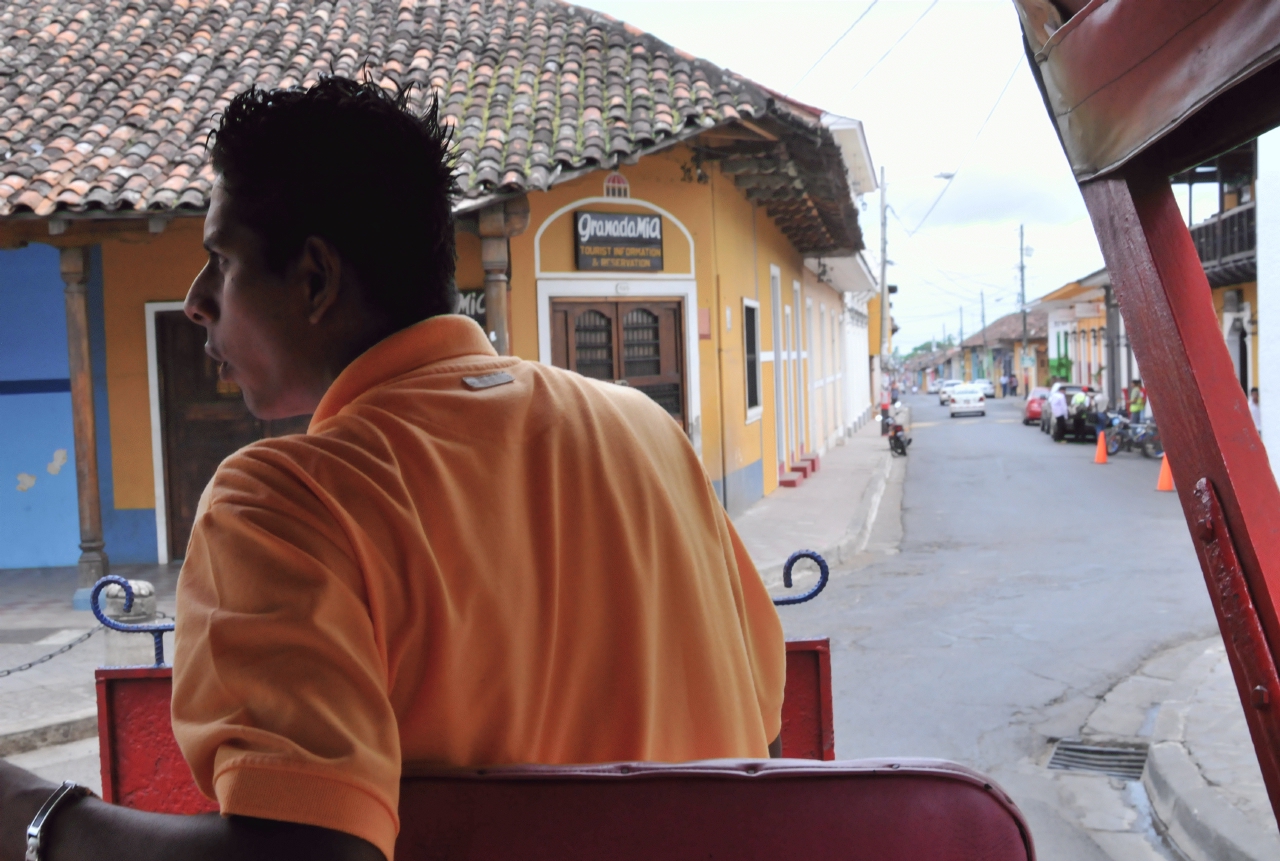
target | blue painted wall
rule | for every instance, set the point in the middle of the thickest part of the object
(39, 520)
(39, 517)
(129, 533)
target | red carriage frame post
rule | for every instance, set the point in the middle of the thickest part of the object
(1140, 90)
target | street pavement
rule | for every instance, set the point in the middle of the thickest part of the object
(1036, 596)
(991, 593)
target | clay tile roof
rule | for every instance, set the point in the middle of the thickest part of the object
(1009, 328)
(107, 104)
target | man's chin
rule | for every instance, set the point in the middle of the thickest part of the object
(272, 409)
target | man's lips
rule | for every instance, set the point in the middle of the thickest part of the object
(224, 368)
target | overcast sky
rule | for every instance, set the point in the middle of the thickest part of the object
(923, 106)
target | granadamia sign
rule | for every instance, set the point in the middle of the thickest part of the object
(613, 240)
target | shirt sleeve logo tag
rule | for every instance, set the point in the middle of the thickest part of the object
(488, 381)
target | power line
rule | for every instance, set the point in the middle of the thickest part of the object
(965, 159)
(818, 61)
(894, 45)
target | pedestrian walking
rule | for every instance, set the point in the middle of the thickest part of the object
(1255, 409)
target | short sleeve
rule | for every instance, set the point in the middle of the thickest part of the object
(280, 699)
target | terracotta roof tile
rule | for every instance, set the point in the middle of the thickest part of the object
(107, 104)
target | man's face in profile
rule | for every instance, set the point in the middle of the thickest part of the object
(256, 321)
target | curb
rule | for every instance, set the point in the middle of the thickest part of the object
(856, 534)
(84, 725)
(1202, 824)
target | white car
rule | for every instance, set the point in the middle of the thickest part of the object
(944, 390)
(988, 387)
(931, 387)
(968, 398)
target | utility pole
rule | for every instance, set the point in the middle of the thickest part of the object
(1022, 303)
(884, 301)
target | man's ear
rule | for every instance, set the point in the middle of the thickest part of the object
(320, 269)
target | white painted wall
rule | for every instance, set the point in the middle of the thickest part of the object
(859, 370)
(1268, 338)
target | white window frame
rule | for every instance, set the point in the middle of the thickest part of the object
(778, 355)
(150, 309)
(754, 414)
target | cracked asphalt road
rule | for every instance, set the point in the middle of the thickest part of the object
(1028, 583)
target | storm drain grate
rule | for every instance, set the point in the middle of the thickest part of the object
(1125, 761)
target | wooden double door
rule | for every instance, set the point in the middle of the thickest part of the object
(202, 418)
(638, 343)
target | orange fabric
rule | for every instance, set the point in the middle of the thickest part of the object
(536, 572)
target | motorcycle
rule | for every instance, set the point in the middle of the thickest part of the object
(898, 439)
(1124, 434)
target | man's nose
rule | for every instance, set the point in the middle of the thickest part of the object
(199, 305)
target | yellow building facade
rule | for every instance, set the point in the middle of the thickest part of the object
(758, 335)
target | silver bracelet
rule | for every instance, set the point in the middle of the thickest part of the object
(68, 791)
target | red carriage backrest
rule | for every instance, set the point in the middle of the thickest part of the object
(884, 810)
(143, 768)
(807, 729)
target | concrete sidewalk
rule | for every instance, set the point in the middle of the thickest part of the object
(835, 512)
(1202, 774)
(53, 705)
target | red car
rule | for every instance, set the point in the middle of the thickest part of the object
(1034, 405)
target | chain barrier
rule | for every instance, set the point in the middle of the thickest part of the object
(64, 649)
(49, 657)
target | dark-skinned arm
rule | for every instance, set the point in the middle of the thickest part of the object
(92, 830)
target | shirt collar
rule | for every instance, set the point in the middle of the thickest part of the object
(432, 340)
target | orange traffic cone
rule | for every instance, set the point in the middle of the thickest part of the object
(1101, 456)
(1165, 482)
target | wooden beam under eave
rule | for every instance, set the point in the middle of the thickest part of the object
(78, 232)
(768, 181)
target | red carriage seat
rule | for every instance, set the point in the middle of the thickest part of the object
(869, 810)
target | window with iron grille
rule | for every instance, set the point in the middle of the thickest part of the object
(638, 343)
(641, 344)
(593, 345)
(751, 354)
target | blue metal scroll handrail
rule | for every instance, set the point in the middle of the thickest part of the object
(156, 629)
(824, 574)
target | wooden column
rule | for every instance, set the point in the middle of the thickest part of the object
(75, 274)
(1220, 469)
(498, 223)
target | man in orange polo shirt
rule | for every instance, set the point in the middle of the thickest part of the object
(467, 559)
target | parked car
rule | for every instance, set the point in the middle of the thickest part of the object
(988, 387)
(1035, 404)
(1080, 426)
(968, 398)
(1046, 415)
(944, 390)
